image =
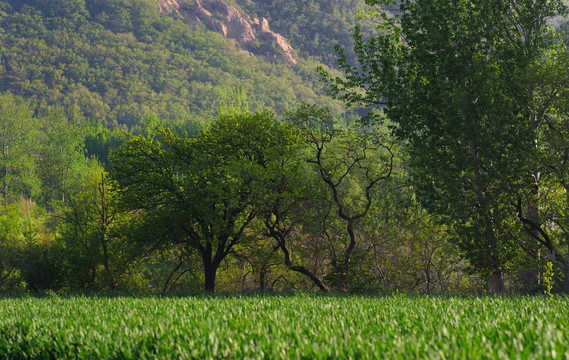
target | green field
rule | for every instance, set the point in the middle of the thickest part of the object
(299, 326)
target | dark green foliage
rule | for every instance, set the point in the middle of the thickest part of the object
(63, 9)
(455, 78)
(202, 192)
(99, 141)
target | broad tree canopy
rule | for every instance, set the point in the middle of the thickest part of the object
(204, 191)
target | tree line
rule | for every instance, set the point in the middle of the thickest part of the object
(455, 179)
(252, 201)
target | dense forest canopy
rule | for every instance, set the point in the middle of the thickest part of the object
(121, 61)
(140, 151)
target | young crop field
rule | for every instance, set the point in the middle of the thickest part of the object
(302, 326)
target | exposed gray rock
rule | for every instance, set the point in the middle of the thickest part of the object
(168, 5)
(226, 20)
(209, 20)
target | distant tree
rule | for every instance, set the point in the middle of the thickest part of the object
(13, 247)
(18, 141)
(71, 9)
(26, 247)
(99, 141)
(61, 158)
(87, 229)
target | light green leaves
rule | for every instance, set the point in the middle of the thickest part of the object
(205, 191)
(284, 327)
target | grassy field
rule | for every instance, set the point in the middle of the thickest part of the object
(299, 326)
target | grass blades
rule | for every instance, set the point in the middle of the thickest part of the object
(299, 326)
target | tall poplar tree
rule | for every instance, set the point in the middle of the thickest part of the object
(453, 76)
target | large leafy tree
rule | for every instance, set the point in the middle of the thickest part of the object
(453, 76)
(204, 191)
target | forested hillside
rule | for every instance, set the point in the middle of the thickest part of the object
(121, 61)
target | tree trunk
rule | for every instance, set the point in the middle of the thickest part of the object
(4, 193)
(263, 278)
(496, 283)
(533, 216)
(342, 281)
(566, 284)
(345, 270)
(210, 271)
(108, 272)
(281, 242)
(566, 186)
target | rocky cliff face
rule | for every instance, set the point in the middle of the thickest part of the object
(248, 34)
(168, 5)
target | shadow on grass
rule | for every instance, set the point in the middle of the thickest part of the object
(250, 294)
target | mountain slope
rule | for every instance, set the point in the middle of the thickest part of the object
(313, 27)
(119, 61)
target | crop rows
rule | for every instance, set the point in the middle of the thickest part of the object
(279, 326)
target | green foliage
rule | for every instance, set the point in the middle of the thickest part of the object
(26, 244)
(100, 141)
(18, 140)
(46, 174)
(547, 223)
(284, 327)
(480, 105)
(42, 157)
(194, 185)
(61, 160)
(454, 79)
(548, 278)
(351, 163)
(61, 8)
(13, 246)
(203, 191)
(91, 233)
(120, 61)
